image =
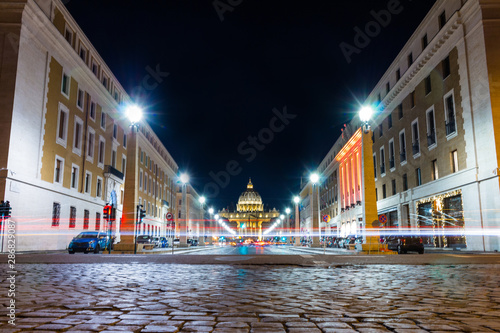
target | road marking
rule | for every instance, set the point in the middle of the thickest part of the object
(234, 258)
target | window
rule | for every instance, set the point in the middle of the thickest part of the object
(103, 120)
(65, 85)
(418, 177)
(98, 191)
(149, 185)
(104, 81)
(442, 20)
(402, 146)
(79, 99)
(446, 67)
(145, 182)
(405, 182)
(113, 158)
(431, 128)
(454, 161)
(415, 137)
(124, 140)
(392, 163)
(68, 35)
(91, 143)
(92, 110)
(102, 150)
(62, 126)
(384, 193)
(400, 111)
(83, 54)
(449, 104)
(425, 42)
(95, 68)
(142, 157)
(140, 179)
(381, 129)
(428, 86)
(393, 183)
(74, 176)
(379, 99)
(115, 131)
(376, 194)
(435, 174)
(387, 87)
(124, 165)
(58, 170)
(56, 214)
(86, 219)
(97, 221)
(374, 166)
(77, 136)
(88, 182)
(382, 161)
(410, 59)
(398, 74)
(412, 99)
(389, 121)
(72, 217)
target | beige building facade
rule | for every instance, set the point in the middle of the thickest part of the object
(435, 136)
(69, 149)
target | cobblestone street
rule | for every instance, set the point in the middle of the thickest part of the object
(225, 298)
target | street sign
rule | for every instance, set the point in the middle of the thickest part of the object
(170, 216)
(382, 218)
(326, 218)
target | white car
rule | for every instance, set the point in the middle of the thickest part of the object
(177, 241)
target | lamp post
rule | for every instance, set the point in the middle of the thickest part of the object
(287, 211)
(216, 226)
(314, 179)
(128, 223)
(183, 226)
(210, 230)
(296, 200)
(370, 213)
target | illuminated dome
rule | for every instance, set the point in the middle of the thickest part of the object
(250, 200)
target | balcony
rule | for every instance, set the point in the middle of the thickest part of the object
(451, 126)
(431, 138)
(391, 163)
(416, 148)
(402, 155)
(109, 169)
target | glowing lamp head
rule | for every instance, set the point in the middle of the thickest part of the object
(134, 113)
(282, 217)
(296, 199)
(210, 211)
(314, 178)
(216, 216)
(184, 178)
(366, 113)
(202, 200)
(287, 210)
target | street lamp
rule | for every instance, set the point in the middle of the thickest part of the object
(365, 115)
(210, 230)
(314, 179)
(184, 178)
(287, 211)
(134, 113)
(296, 200)
(202, 201)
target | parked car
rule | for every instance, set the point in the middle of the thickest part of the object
(403, 244)
(156, 241)
(88, 241)
(163, 242)
(192, 242)
(145, 239)
(177, 242)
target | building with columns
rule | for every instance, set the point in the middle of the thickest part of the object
(250, 218)
(436, 136)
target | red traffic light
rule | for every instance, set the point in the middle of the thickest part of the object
(107, 211)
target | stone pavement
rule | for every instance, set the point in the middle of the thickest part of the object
(225, 298)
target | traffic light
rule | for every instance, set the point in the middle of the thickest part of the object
(107, 212)
(5, 209)
(142, 215)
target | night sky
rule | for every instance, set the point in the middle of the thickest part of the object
(225, 77)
